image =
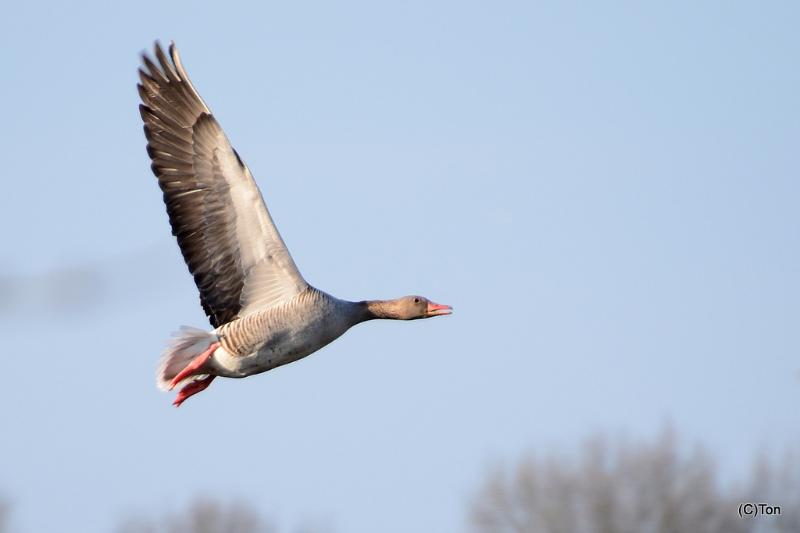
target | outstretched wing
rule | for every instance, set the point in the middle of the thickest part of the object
(227, 236)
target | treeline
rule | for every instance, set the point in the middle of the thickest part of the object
(606, 486)
(636, 487)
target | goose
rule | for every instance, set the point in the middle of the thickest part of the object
(263, 313)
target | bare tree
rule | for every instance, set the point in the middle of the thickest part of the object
(203, 516)
(776, 483)
(210, 516)
(624, 488)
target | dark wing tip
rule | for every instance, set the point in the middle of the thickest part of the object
(157, 47)
(145, 113)
(165, 70)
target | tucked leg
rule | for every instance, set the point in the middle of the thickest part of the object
(195, 366)
(192, 388)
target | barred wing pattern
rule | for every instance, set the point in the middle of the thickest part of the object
(225, 232)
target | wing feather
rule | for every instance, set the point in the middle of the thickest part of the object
(224, 230)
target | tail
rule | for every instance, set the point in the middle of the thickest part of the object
(184, 346)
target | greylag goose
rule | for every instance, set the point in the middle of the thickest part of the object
(263, 312)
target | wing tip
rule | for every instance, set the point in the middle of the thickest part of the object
(167, 68)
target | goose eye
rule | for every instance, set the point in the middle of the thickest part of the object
(416, 300)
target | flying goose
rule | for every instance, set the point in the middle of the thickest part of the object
(263, 312)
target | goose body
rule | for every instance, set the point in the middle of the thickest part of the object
(280, 335)
(263, 311)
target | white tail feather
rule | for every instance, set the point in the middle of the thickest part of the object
(184, 346)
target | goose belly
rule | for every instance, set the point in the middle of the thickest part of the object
(281, 351)
(283, 345)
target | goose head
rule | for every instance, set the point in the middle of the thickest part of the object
(407, 308)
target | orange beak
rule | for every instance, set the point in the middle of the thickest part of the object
(435, 309)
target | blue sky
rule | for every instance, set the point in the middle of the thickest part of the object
(607, 195)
